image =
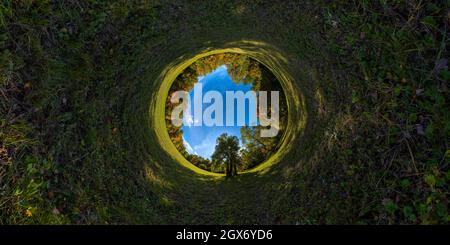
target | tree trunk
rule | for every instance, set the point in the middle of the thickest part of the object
(228, 169)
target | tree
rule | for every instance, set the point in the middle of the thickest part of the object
(199, 161)
(256, 148)
(227, 152)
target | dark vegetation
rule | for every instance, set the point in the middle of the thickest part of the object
(76, 78)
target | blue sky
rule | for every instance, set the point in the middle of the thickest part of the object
(201, 140)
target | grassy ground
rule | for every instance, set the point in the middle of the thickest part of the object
(81, 140)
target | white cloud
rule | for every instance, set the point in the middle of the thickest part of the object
(188, 120)
(206, 147)
(189, 147)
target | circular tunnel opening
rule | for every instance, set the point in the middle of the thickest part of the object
(271, 63)
(226, 113)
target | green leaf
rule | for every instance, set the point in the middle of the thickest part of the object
(412, 117)
(429, 20)
(441, 211)
(422, 209)
(405, 183)
(355, 98)
(430, 180)
(409, 213)
(390, 206)
(429, 130)
(397, 90)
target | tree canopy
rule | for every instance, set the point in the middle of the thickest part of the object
(227, 153)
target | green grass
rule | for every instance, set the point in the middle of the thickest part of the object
(82, 134)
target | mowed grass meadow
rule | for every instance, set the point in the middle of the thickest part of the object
(82, 134)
